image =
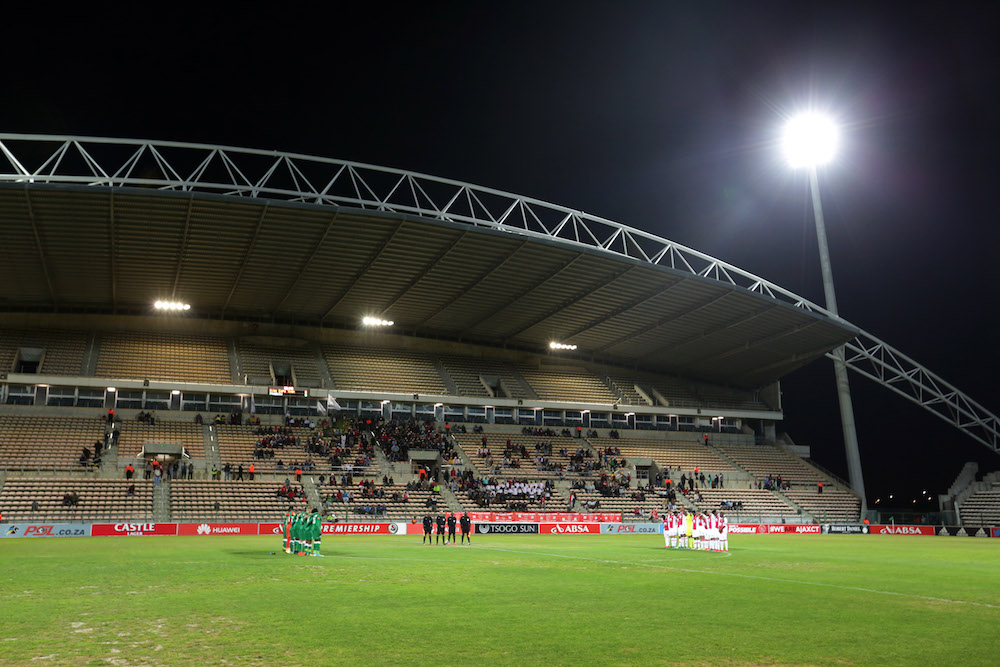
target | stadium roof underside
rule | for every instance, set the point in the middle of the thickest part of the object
(70, 248)
(109, 225)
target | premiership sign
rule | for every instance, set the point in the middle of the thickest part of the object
(45, 530)
(507, 528)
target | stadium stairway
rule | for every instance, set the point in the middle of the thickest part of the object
(161, 502)
(449, 382)
(212, 456)
(312, 492)
(235, 369)
(91, 353)
(109, 461)
(450, 499)
(736, 466)
(326, 379)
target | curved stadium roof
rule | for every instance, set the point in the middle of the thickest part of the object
(109, 225)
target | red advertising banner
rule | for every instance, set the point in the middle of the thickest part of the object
(549, 517)
(902, 530)
(571, 528)
(217, 529)
(104, 529)
(776, 528)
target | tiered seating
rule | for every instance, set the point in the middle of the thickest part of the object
(371, 369)
(764, 460)
(467, 371)
(567, 384)
(194, 500)
(46, 442)
(99, 499)
(626, 386)
(756, 502)
(134, 434)
(163, 356)
(64, 350)
(257, 362)
(622, 504)
(683, 455)
(833, 505)
(497, 442)
(237, 444)
(396, 510)
(982, 508)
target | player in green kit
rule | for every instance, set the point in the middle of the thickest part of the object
(316, 531)
(297, 534)
(286, 531)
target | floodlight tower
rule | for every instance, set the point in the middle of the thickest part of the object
(811, 141)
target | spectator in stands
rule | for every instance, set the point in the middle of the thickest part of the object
(198, 419)
(129, 471)
(130, 491)
(34, 506)
(251, 472)
(239, 473)
(148, 469)
(156, 476)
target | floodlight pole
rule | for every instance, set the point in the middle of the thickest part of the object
(839, 367)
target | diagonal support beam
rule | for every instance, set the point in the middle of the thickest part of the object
(570, 301)
(372, 258)
(308, 261)
(663, 320)
(246, 255)
(733, 322)
(525, 292)
(182, 248)
(646, 297)
(423, 272)
(462, 289)
(39, 246)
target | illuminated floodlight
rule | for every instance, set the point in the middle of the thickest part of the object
(376, 322)
(111, 390)
(810, 140)
(561, 346)
(176, 392)
(584, 412)
(172, 305)
(385, 401)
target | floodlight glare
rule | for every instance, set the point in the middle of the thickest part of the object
(561, 346)
(376, 322)
(171, 305)
(810, 140)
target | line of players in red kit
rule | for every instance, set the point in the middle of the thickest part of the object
(707, 531)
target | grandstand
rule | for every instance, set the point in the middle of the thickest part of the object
(98, 499)
(657, 345)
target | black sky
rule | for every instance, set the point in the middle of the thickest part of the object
(660, 115)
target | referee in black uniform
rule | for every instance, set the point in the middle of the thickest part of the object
(427, 529)
(451, 527)
(466, 528)
(441, 537)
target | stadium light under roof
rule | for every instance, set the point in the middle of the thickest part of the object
(810, 140)
(369, 321)
(561, 346)
(171, 305)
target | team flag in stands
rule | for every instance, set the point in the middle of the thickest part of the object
(331, 405)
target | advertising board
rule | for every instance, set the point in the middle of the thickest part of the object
(45, 530)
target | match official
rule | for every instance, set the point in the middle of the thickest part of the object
(427, 530)
(441, 537)
(451, 527)
(466, 524)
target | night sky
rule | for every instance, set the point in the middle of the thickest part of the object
(663, 116)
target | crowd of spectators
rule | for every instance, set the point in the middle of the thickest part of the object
(512, 495)
(397, 437)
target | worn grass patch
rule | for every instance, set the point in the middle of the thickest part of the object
(559, 600)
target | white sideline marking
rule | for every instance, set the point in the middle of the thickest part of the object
(750, 576)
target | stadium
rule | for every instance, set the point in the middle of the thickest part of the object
(194, 338)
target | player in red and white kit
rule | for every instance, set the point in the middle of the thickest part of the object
(724, 532)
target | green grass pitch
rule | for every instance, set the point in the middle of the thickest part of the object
(515, 600)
